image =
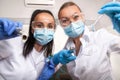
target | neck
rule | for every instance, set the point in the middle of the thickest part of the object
(38, 47)
(77, 43)
(77, 39)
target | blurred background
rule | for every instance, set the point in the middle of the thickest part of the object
(21, 10)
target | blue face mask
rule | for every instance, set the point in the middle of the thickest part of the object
(75, 29)
(43, 35)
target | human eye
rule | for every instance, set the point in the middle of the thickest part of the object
(39, 25)
(76, 17)
(64, 21)
(50, 26)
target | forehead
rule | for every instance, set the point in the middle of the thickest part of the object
(44, 16)
(69, 11)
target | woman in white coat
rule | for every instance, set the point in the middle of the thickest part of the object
(20, 61)
(92, 49)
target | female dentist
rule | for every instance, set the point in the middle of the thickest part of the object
(20, 61)
(92, 49)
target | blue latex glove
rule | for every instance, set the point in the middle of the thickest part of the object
(47, 71)
(63, 57)
(112, 10)
(8, 27)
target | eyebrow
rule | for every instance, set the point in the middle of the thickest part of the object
(72, 15)
(43, 22)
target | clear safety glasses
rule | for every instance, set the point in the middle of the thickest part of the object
(42, 25)
(65, 21)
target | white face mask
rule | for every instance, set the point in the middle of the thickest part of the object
(43, 35)
(75, 29)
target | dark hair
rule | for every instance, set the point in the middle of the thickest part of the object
(29, 44)
(67, 4)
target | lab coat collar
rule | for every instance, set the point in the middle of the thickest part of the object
(86, 37)
(88, 43)
(37, 56)
(85, 40)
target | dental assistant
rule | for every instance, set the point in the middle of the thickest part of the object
(20, 61)
(92, 49)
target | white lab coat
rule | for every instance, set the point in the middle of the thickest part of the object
(92, 62)
(13, 66)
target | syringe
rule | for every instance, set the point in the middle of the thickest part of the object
(74, 51)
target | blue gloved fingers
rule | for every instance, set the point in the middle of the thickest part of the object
(4, 23)
(51, 63)
(109, 10)
(111, 4)
(68, 53)
(117, 28)
(117, 16)
(67, 57)
(116, 22)
(11, 28)
(116, 25)
(47, 71)
(119, 19)
(67, 60)
(1, 22)
(71, 58)
(64, 62)
(7, 24)
(112, 10)
(19, 24)
(61, 57)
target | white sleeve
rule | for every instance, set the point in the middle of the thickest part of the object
(113, 41)
(115, 46)
(8, 47)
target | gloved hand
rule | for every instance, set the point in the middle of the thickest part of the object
(7, 27)
(112, 10)
(47, 71)
(63, 57)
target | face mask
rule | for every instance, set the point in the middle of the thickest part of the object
(43, 35)
(75, 29)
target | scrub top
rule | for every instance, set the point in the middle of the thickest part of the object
(92, 62)
(13, 66)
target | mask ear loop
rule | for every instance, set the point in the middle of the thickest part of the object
(97, 19)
